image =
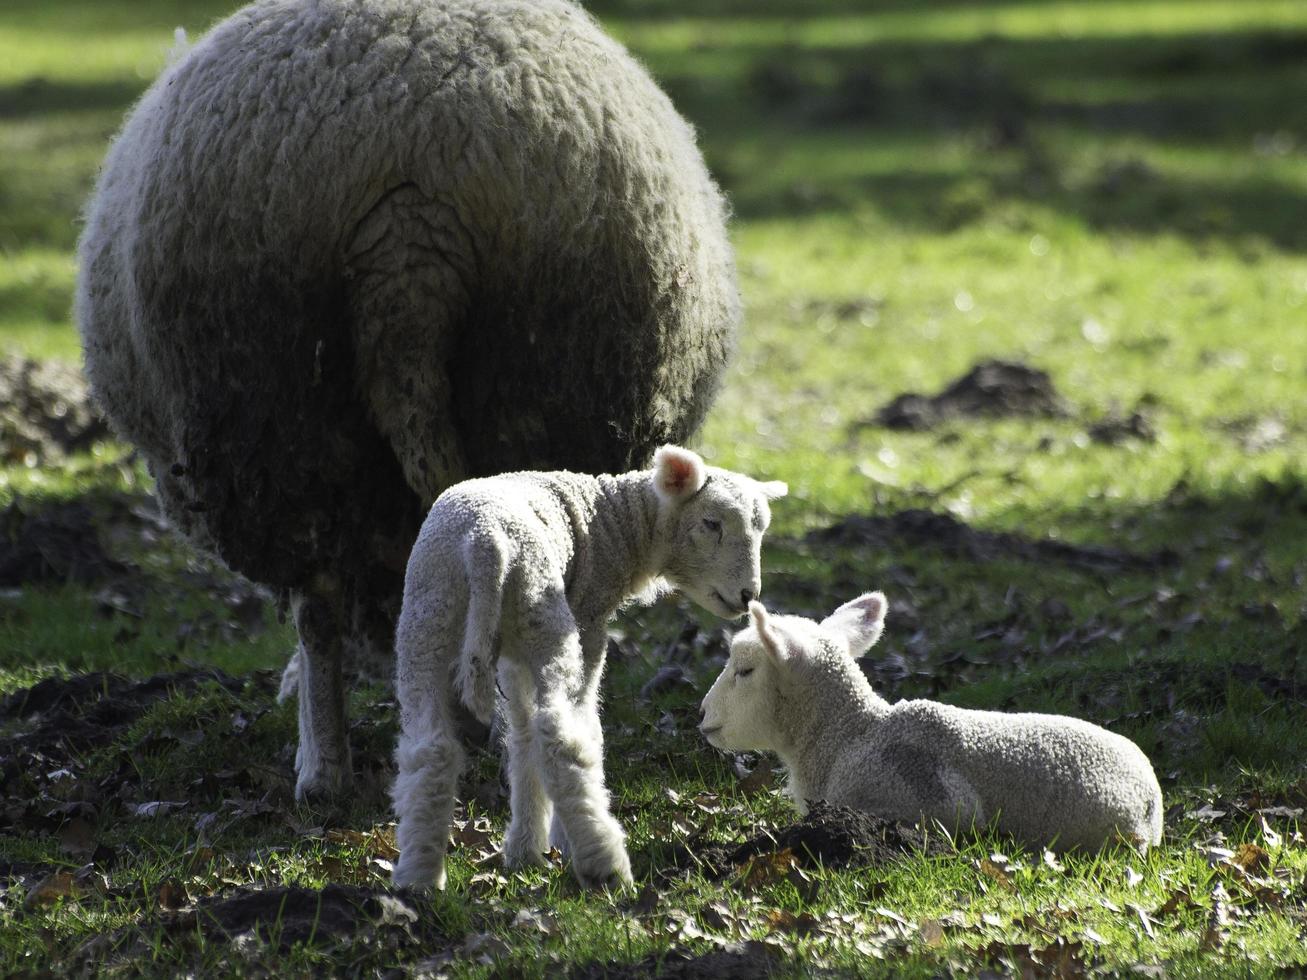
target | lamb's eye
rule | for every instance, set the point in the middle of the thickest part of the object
(712, 525)
(744, 671)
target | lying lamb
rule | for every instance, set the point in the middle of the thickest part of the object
(791, 686)
(515, 577)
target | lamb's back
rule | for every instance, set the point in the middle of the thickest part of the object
(1038, 771)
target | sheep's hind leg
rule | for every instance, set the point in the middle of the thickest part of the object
(525, 842)
(571, 763)
(322, 760)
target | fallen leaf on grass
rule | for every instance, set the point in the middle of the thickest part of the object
(767, 869)
(931, 932)
(996, 874)
(157, 808)
(529, 920)
(60, 884)
(782, 920)
(1251, 858)
(761, 779)
(1181, 898)
(172, 895)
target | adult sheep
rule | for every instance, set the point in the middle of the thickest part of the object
(345, 253)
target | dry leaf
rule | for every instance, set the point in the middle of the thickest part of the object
(1251, 858)
(172, 895)
(781, 920)
(761, 779)
(50, 889)
(992, 871)
(931, 932)
(766, 869)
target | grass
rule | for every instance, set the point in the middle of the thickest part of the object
(1112, 192)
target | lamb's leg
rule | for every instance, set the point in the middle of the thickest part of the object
(429, 755)
(322, 762)
(525, 842)
(571, 763)
(594, 650)
(430, 761)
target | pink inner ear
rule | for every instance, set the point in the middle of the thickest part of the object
(678, 474)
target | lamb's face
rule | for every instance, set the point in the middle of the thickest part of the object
(771, 659)
(739, 710)
(715, 526)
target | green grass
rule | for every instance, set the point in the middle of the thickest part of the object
(1111, 191)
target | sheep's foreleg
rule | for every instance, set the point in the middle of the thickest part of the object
(322, 761)
(525, 842)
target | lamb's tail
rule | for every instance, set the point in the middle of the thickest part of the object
(486, 561)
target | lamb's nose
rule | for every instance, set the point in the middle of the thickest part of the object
(702, 713)
(747, 596)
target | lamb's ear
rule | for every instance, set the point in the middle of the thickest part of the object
(773, 641)
(678, 474)
(774, 489)
(860, 622)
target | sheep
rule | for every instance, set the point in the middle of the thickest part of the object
(1047, 780)
(346, 253)
(514, 578)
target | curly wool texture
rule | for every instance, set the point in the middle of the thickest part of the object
(513, 580)
(1048, 780)
(346, 253)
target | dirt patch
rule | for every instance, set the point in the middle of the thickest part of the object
(830, 836)
(917, 528)
(1113, 430)
(991, 389)
(739, 961)
(93, 709)
(55, 543)
(287, 916)
(46, 412)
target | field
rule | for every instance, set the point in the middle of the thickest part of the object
(1108, 196)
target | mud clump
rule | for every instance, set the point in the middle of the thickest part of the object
(835, 836)
(740, 961)
(991, 389)
(293, 915)
(1113, 430)
(46, 412)
(916, 528)
(56, 544)
(831, 836)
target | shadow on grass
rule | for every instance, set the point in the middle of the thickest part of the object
(39, 95)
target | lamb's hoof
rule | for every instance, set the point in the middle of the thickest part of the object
(611, 875)
(523, 853)
(418, 879)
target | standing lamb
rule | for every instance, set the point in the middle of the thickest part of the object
(517, 576)
(1047, 780)
(346, 253)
